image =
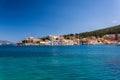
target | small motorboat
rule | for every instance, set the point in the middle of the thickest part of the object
(118, 44)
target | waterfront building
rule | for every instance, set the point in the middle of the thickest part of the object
(29, 40)
(53, 37)
(110, 37)
(119, 37)
(32, 40)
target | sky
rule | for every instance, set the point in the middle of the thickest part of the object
(37, 18)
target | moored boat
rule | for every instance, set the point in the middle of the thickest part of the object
(118, 44)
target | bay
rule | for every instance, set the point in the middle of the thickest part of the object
(79, 62)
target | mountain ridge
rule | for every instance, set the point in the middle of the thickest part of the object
(6, 42)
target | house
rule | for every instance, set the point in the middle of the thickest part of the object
(110, 37)
(119, 37)
(32, 40)
(52, 37)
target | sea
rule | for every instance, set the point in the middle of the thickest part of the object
(78, 62)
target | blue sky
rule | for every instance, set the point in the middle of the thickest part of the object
(37, 18)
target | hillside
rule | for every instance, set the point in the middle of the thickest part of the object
(5, 42)
(97, 33)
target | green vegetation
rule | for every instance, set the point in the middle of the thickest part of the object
(96, 33)
(44, 38)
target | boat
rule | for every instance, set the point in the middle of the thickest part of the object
(118, 44)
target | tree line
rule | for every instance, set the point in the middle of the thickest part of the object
(96, 33)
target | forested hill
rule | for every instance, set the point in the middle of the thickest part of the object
(97, 33)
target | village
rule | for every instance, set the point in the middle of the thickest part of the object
(60, 40)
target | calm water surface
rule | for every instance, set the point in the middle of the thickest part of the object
(87, 62)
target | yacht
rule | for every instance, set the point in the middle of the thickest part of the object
(118, 44)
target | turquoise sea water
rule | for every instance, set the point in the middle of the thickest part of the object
(87, 62)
